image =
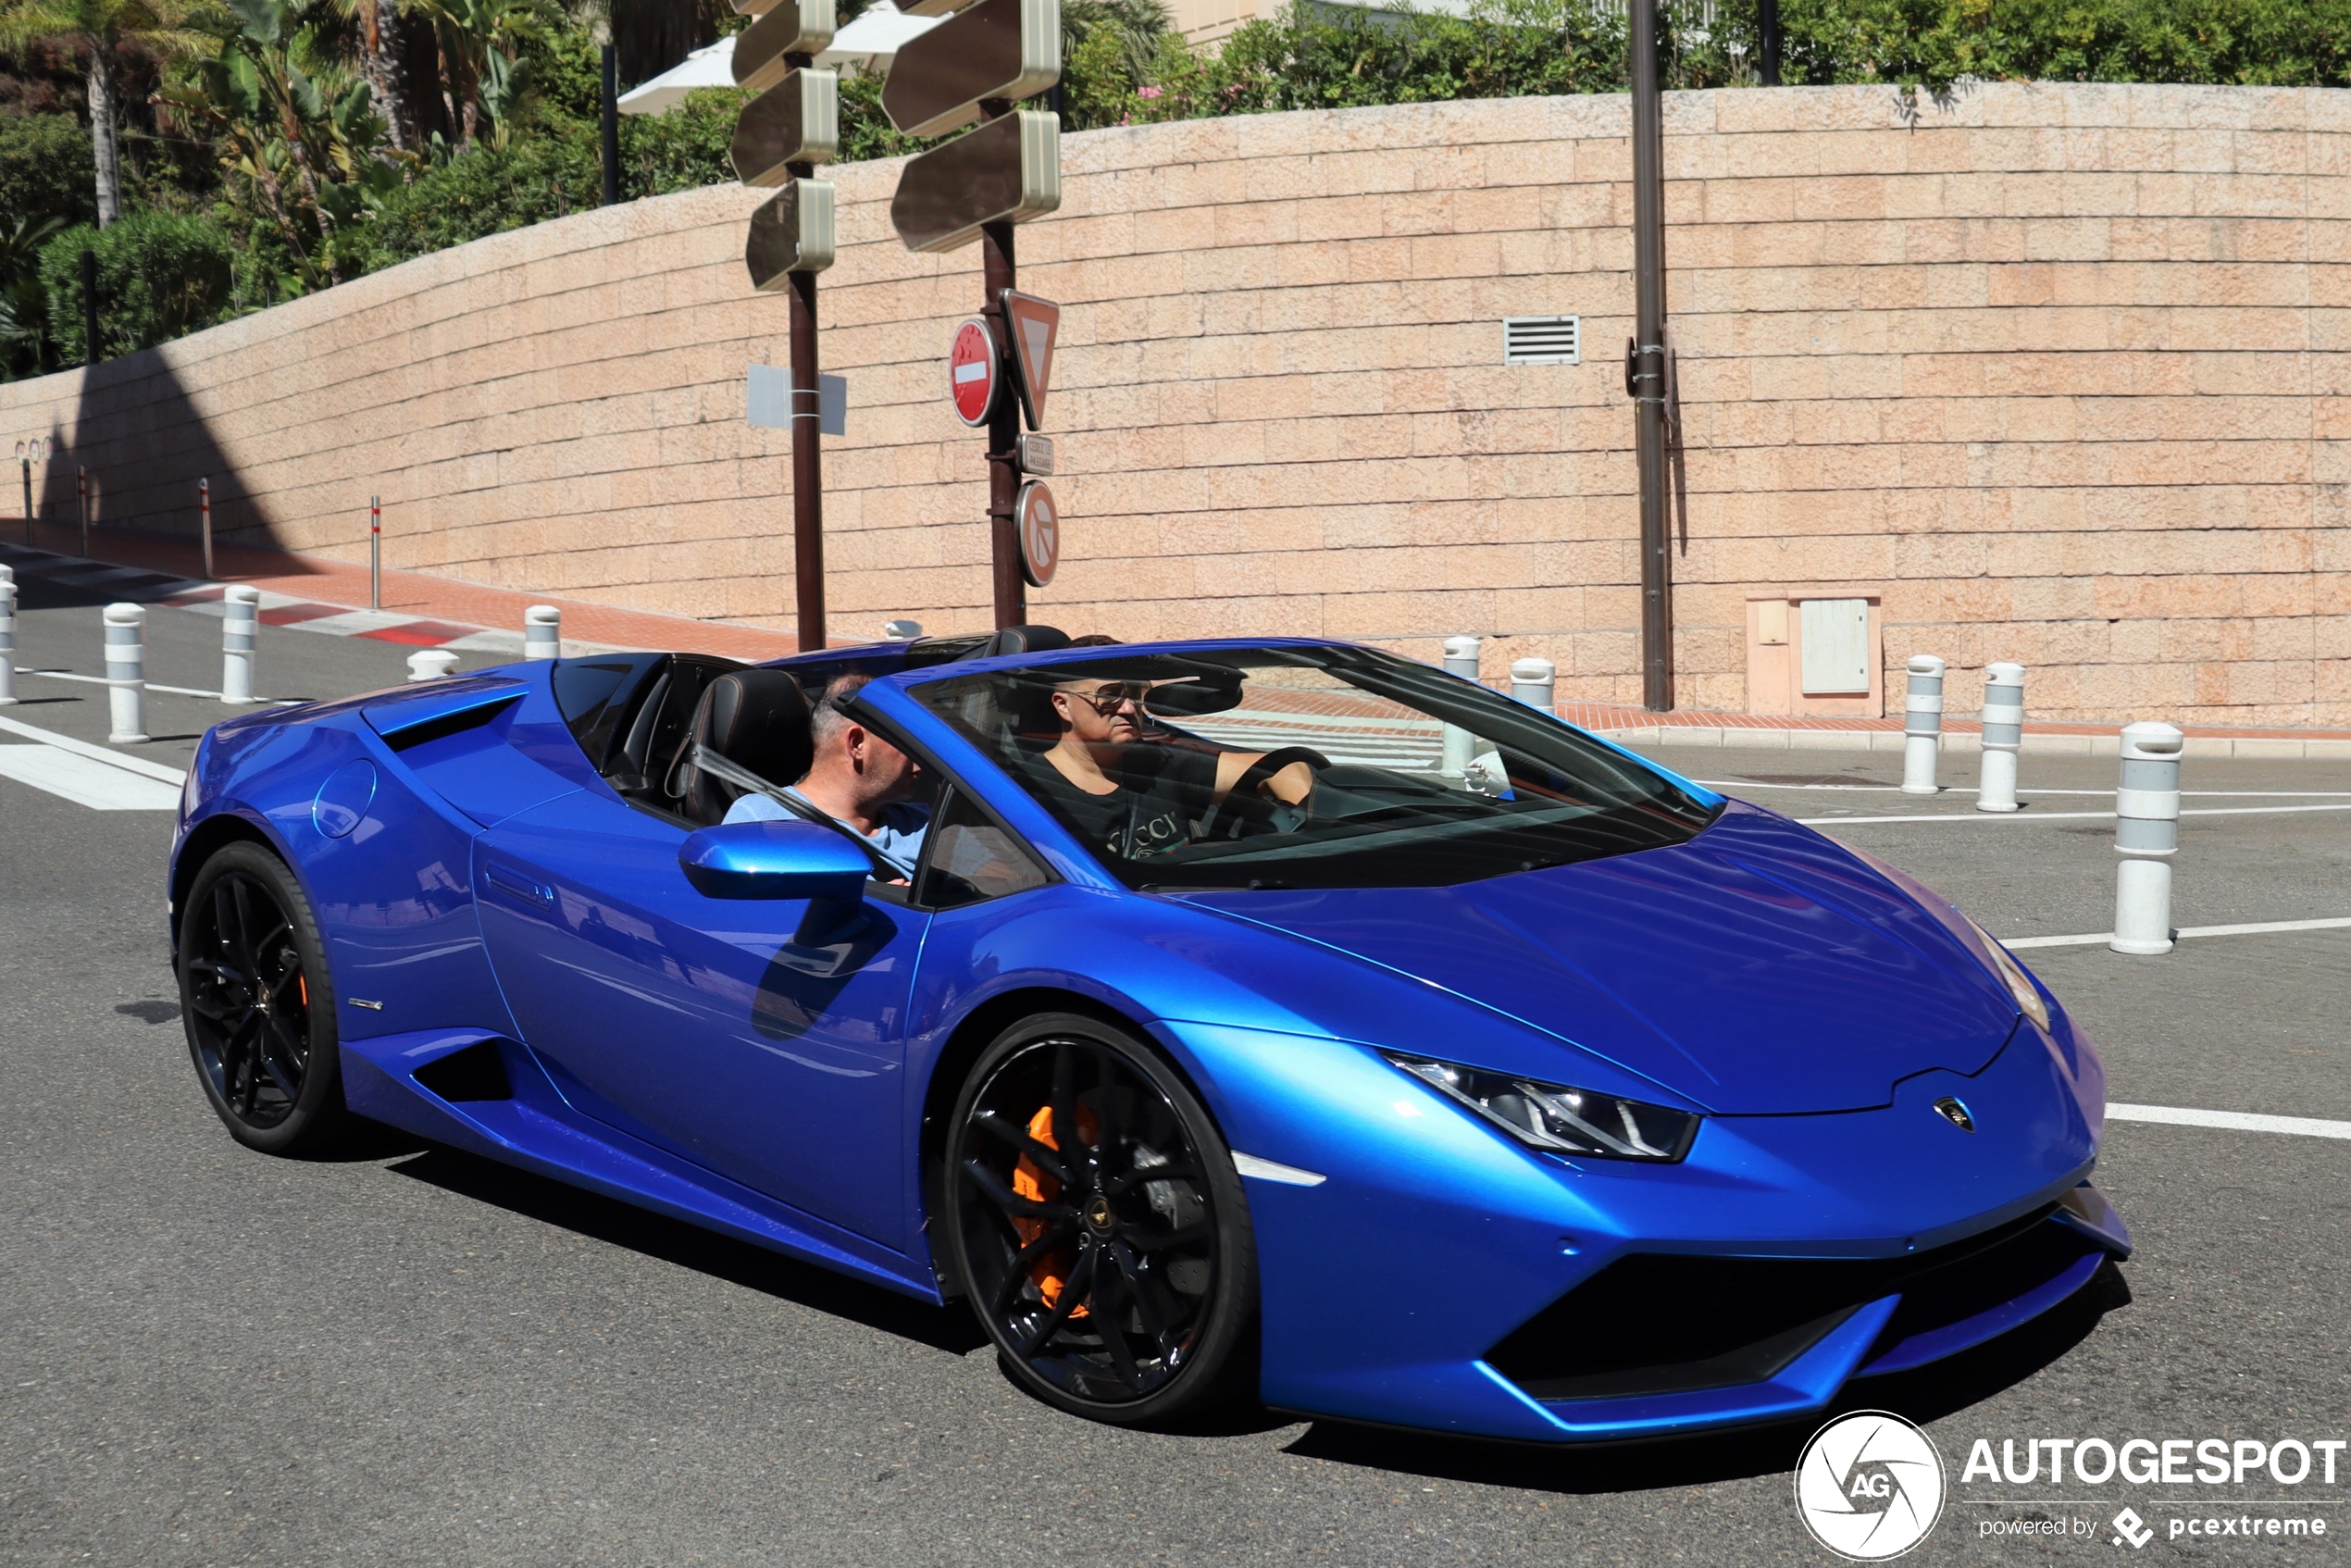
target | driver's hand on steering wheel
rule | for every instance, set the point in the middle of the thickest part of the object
(1290, 786)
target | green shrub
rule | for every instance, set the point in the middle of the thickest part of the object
(2247, 43)
(45, 170)
(487, 191)
(161, 275)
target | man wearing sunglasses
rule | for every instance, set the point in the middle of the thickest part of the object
(1129, 787)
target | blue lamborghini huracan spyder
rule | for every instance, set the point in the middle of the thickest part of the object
(1280, 1020)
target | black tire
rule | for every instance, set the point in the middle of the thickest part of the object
(1169, 1264)
(259, 1004)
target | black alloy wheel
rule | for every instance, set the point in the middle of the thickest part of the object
(258, 1003)
(1097, 1225)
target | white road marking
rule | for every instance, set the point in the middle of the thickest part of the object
(2100, 938)
(2235, 1121)
(162, 774)
(173, 691)
(2059, 815)
(85, 781)
(1897, 789)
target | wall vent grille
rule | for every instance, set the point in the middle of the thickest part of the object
(1543, 340)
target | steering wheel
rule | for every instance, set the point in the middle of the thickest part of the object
(1242, 797)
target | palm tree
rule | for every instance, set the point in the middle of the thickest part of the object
(24, 304)
(297, 128)
(99, 28)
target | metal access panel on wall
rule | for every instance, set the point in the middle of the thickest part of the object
(1835, 634)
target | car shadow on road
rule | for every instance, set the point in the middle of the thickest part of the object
(689, 1245)
(1927, 1394)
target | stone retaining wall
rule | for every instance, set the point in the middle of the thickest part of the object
(2050, 373)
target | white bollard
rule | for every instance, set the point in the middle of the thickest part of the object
(902, 631)
(1923, 724)
(126, 672)
(2147, 833)
(431, 664)
(1461, 655)
(2003, 733)
(239, 632)
(542, 633)
(1532, 681)
(7, 641)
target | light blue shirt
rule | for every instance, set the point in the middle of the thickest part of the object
(899, 836)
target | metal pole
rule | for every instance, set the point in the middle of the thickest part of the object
(807, 464)
(1767, 23)
(1461, 654)
(90, 354)
(374, 551)
(240, 635)
(7, 642)
(1645, 371)
(204, 504)
(2146, 834)
(81, 482)
(126, 673)
(1923, 724)
(611, 126)
(2003, 736)
(26, 464)
(1533, 682)
(1003, 443)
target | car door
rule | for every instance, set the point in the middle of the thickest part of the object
(717, 1028)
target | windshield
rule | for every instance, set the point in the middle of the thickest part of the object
(1307, 768)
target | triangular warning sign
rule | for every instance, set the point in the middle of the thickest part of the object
(1033, 325)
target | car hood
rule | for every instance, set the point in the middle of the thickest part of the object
(1757, 969)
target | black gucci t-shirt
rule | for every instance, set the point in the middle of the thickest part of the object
(1162, 789)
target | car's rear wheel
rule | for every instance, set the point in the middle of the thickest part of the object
(1096, 1224)
(258, 1003)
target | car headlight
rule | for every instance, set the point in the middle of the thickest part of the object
(1557, 1119)
(2012, 975)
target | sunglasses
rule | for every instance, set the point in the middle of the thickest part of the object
(1109, 699)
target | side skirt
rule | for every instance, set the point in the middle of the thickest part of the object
(504, 1107)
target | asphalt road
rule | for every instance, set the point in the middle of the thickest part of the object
(415, 1356)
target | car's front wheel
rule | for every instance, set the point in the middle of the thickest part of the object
(1096, 1224)
(258, 1003)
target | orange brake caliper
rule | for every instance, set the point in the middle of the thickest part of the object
(1052, 1271)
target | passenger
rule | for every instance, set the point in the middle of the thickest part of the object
(858, 780)
(1125, 787)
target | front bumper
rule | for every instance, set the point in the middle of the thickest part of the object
(1442, 1277)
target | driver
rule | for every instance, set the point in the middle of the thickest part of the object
(1130, 789)
(858, 780)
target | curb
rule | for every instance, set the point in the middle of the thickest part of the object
(2262, 748)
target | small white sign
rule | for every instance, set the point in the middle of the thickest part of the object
(769, 403)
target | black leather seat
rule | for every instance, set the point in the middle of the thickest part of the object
(1023, 640)
(756, 719)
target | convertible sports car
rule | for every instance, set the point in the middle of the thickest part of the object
(1275, 1019)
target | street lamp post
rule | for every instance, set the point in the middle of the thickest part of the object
(1644, 370)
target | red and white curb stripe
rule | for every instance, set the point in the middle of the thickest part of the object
(141, 585)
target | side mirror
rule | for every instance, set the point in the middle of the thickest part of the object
(774, 860)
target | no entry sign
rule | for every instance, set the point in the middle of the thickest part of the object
(973, 368)
(1040, 533)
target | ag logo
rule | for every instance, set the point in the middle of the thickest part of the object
(1869, 1485)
